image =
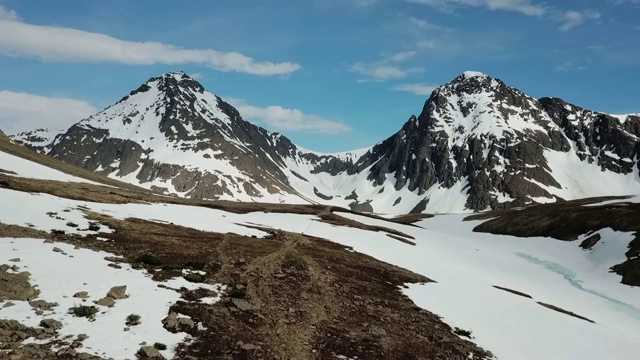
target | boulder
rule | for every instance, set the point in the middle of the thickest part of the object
(51, 324)
(81, 295)
(174, 322)
(106, 301)
(118, 292)
(149, 352)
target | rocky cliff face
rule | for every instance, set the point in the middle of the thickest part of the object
(477, 144)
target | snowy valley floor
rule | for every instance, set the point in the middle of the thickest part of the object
(267, 281)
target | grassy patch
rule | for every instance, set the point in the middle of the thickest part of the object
(160, 346)
(462, 332)
(149, 259)
(133, 319)
(94, 226)
(88, 312)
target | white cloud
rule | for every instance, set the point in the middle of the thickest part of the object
(280, 118)
(23, 111)
(365, 3)
(417, 89)
(402, 56)
(571, 19)
(386, 68)
(381, 71)
(6, 14)
(570, 66)
(53, 43)
(526, 7)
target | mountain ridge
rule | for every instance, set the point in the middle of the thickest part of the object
(477, 144)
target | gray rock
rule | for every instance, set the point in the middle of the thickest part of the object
(173, 322)
(42, 304)
(51, 324)
(249, 347)
(590, 242)
(245, 305)
(15, 260)
(81, 295)
(66, 352)
(82, 337)
(118, 292)
(58, 250)
(106, 301)
(376, 331)
(150, 352)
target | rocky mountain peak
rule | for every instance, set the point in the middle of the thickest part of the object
(171, 84)
(173, 81)
(471, 82)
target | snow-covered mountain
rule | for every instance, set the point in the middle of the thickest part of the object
(39, 139)
(477, 144)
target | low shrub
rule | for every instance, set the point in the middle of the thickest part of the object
(462, 332)
(133, 319)
(84, 311)
(149, 259)
(160, 346)
(94, 226)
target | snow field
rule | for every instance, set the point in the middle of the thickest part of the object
(30, 169)
(59, 276)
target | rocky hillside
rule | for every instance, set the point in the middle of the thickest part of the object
(39, 140)
(498, 147)
(477, 144)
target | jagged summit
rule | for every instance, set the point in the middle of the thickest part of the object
(474, 74)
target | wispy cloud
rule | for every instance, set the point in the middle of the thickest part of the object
(6, 14)
(280, 118)
(378, 72)
(570, 66)
(571, 19)
(365, 3)
(23, 111)
(387, 68)
(525, 7)
(567, 18)
(417, 89)
(401, 56)
(54, 43)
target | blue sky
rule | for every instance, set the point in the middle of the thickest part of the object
(332, 75)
